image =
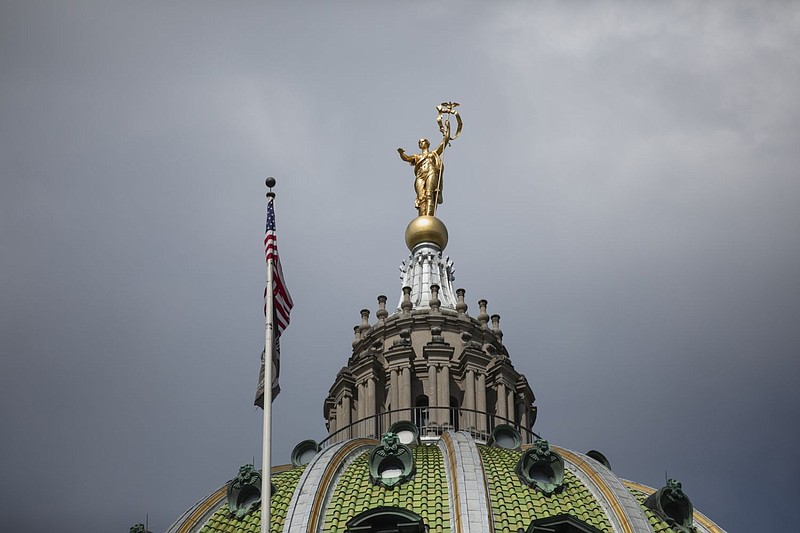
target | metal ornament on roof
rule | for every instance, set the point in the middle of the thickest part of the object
(505, 436)
(673, 506)
(391, 462)
(541, 468)
(244, 492)
(599, 457)
(407, 432)
(304, 452)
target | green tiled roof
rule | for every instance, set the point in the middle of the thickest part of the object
(515, 505)
(284, 482)
(658, 524)
(425, 494)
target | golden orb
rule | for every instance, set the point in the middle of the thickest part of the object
(426, 229)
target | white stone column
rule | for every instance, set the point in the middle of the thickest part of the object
(511, 412)
(346, 414)
(480, 401)
(332, 420)
(501, 408)
(433, 396)
(394, 393)
(372, 399)
(524, 423)
(361, 401)
(372, 409)
(405, 392)
(469, 398)
(443, 384)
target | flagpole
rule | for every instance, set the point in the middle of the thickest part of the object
(269, 346)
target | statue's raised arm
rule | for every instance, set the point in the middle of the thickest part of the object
(428, 165)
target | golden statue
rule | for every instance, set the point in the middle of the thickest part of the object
(428, 165)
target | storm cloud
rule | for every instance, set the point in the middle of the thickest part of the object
(624, 194)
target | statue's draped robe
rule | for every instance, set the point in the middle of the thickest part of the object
(429, 170)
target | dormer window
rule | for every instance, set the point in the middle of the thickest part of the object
(562, 523)
(387, 520)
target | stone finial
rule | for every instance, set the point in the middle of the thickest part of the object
(461, 305)
(406, 304)
(436, 335)
(357, 339)
(376, 348)
(405, 338)
(382, 313)
(496, 328)
(483, 316)
(434, 302)
(364, 320)
(466, 337)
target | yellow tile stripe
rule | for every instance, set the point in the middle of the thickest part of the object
(601, 484)
(447, 439)
(213, 500)
(330, 471)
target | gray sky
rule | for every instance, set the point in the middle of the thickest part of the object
(625, 194)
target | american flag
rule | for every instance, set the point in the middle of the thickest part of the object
(281, 304)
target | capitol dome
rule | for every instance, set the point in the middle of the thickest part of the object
(431, 429)
(458, 484)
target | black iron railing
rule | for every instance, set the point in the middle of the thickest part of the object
(431, 422)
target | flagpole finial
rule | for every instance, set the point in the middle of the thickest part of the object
(270, 184)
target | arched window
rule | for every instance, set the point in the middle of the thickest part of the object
(454, 413)
(386, 520)
(421, 412)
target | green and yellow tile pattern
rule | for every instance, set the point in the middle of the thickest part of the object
(284, 482)
(515, 505)
(425, 494)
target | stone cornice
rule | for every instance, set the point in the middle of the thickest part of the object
(343, 385)
(471, 358)
(367, 367)
(399, 356)
(500, 371)
(438, 353)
